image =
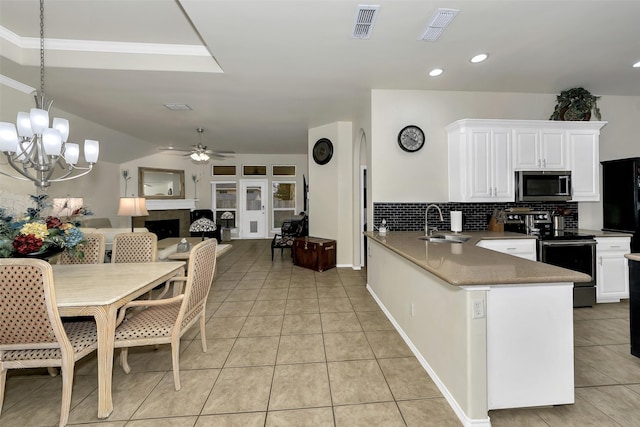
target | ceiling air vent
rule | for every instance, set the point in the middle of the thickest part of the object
(365, 18)
(439, 22)
(177, 107)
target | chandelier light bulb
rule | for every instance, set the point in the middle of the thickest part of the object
(52, 142)
(71, 153)
(91, 150)
(8, 137)
(63, 126)
(39, 120)
(23, 123)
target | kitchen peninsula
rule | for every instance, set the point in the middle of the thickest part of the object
(492, 330)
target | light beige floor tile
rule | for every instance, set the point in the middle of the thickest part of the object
(240, 390)
(602, 331)
(300, 349)
(217, 352)
(242, 295)
(302, 293)
(364, 304)
(586, 375)
(618, 402)
(388, 344)
(252, 419)
(335, 305)
(301, 324)
(164, 401)
(357, 292)
(234, 309)
(374, 321)
(222, 285)
(316, 417)
(46, 412)
(256, 274)
(408, 379)
(268, 294)
(580, 414)
(160, 422)
(372, 414)
(302, 282)
(347, 346)
(340, 322)
(224, 327)
(300, 386)
(355, 382)
(516, 418)
(625, 369)
(428, 413)
(262, 326)
(300, 306)
(268, 307)
(258, 351)
(218, 295)
(331, 292)
(250, 284)
(276, 284)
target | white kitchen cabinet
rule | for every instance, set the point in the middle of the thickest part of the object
(536, 149)
(584, 152)
(612, 269)
(482, 170)
(485, 153)
(523, 248)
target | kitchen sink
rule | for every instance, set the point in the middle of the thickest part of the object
(446, 238)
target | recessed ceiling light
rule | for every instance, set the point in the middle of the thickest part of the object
(479, 58)
(177, 107)
(636, 65)
(436, 72)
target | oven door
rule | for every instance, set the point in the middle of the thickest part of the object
(577, 255)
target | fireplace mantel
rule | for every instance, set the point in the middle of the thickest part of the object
(159, 205)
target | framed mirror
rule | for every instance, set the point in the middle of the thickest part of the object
(160, 183)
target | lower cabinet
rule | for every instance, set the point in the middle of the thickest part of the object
(523, 248)
(612, 269)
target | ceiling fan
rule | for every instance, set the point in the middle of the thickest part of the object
(199, 153)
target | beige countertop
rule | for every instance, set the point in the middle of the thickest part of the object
(465, 264)
(600, 233)
(633, 257)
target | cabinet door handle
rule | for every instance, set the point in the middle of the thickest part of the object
(614, 246)
(512, 249)
(600, 260)
(544, 163)
(539, 163)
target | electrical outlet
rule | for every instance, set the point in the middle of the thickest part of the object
(412, 310)
(477, 311)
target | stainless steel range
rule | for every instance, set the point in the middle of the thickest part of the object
(563, 248)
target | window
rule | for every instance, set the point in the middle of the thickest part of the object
(223, 170)
(254, 170)
(284, 202)
(277, 170)
(225, 200)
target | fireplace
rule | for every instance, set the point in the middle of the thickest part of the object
(164, 228)
(182, 216)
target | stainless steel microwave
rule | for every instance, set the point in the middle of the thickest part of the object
(543, 186)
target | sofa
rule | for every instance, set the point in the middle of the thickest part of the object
(103, 226)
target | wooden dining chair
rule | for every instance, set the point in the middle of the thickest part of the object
(32, 333)
(93, 251)
(164, 321)
(134, 247)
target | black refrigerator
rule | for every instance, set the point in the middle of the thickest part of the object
(621, 198)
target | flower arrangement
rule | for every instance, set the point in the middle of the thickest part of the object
(33, 235)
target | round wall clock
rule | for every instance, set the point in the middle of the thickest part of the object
(411, 138)
(322, 151)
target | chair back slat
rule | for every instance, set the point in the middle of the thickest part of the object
(201, 269)
(25, 316)
(93, 251)
(134, 247)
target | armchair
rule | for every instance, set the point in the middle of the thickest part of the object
(292, 228)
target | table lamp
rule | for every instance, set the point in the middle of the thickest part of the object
(203, 225)
(227, 216)
(132, 206)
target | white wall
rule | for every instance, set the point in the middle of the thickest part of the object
(331, 190)
(397, 176)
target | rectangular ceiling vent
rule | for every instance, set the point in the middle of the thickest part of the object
(365, 18)
(439, 22)
(177, 107)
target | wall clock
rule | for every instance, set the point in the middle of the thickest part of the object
(411, 138)
(322, 151)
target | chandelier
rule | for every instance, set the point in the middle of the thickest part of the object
(33, 149)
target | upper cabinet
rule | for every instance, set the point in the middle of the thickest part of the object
(484, 154)
(539, 149)
(480, 168)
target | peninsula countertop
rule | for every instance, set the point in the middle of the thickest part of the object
(465, 264)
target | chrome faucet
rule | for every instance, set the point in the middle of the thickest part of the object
(428, 232)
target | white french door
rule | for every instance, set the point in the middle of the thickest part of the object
(253, 208)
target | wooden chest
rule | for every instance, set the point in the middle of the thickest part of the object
(315, 253)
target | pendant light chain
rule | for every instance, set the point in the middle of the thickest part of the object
(42, 49)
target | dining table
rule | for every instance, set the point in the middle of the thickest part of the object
(99, 290)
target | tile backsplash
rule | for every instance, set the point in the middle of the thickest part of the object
(475, 216)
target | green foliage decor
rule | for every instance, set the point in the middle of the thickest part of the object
(576, 104)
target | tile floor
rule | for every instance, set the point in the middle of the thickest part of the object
(291, 347)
